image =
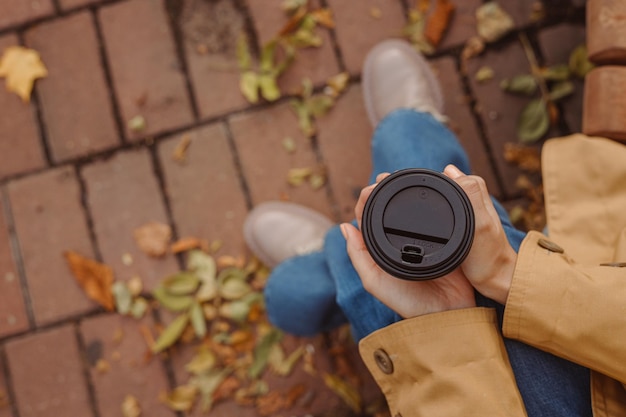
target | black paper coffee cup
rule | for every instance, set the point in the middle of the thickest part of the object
(418, 224)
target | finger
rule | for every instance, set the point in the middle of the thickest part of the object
(381, 176)
(360, 204)
(360, 257)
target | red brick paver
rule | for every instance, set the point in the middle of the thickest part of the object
(47, 374)
(5, 410)
(13, 318)
(258, 136)
(358, 31)
(116, 356)
(145, 69)
(20, 149)
(49, 220)
(15, 12)
(123, 194)
(210, 31)
(79, 120)
(205, 191)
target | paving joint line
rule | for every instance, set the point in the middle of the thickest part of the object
(108, 78)
(173, 9)
(17, 257)
(84, 203)
(84, 364)
(335, 43)
(243, 182)
(250, 27)
(8, 379)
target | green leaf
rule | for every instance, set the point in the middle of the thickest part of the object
(234, 289)
(171, 334)
(279, 364)
(269, 87)
(249, 86)
(203, 362)
(289, 145)
(319, 105)
(122, 296)
(204, 267)
(533, 122)
(139, 308)
(556, 73)
(484, 74)
(198, 322)
(181, 398)
(290, 6)
(579, 62)
(492, 22)
(304, 117)
(183, 283)
(238, 310)
(561, 90)
(524, 84)
(346, 392)
(207, 384)
(262, 352)
(172, 302)
(244, 59)
(267, 56)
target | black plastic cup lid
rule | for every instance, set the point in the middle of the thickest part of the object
(418, 224)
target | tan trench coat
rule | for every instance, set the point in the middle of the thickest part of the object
(454, 363)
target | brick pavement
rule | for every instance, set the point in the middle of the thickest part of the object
(75, 175)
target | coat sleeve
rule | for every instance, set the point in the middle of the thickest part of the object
(571, 310)
(452, 363)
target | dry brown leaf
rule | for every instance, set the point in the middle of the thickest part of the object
(153, 238)
(293, 22)
(271, 403)
(422, 5)
(130, 407)
(438, 21)
(324, 17)
(227, 388)
(346, 392)
(102, 366)
(525, 157)
(187, 243)
(375, 12)
(473, 47)
(93, 277)
(21, 67)
(180, 152)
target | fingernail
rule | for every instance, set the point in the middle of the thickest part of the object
(344, 231)
(453, 171)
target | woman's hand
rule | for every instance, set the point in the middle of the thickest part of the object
(491, 261)
(407, 298)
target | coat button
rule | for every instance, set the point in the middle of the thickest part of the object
(615, 264)
(549, 245)
(383, 361)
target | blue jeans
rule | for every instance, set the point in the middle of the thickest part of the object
(313, 293)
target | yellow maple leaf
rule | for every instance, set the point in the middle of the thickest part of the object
(21, 67)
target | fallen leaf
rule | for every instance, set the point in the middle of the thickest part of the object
(4, 399)
(198, 322)
(305, 121)
(525, 157)
(130, 407)
(137, 124)
(182, 283)
(297, 176)
(319, 105)
(484, 74)
(294, 21)
(289, 145)
(94, 278)
(135, 286)
(249, 86)
(244, 58)
(473, 47)
(139, 308)
(579, 63)
(414, 31)
(492, 22)
(561, 90)
(21, 67)
(375, 12)
(270, 404)
(238, 310)
(187, 243)
(533, 122)
(227, 388)
(338, 83)
(127, 259)
(207, 384)
(346, 392)
(324, 17)
(180, 152)
(438, 22)
(317, 180)
(123, 297)
(262, 352)
(102, 366)
(153, 238)
(171, 334)
(291, 6)
(281, 365)
(205, 269)
(170, 301)
(559, 72)
(182, 398)
(523, 84)
(202, 362)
